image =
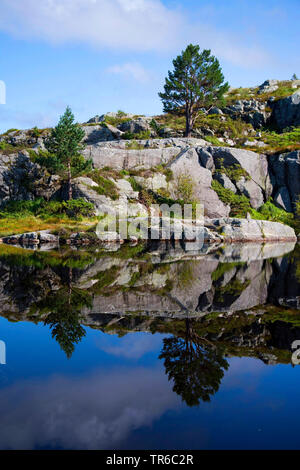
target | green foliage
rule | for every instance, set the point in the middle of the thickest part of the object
(196, 82)
(65, 143)
(143, 135)
(106, 186)
(73, 209)
(233, 172)
(65, 139)
(214, 141)
(79, 165)
(239, 204)
(289, 140)
(270, 212)
(284, 90)
(185, 188)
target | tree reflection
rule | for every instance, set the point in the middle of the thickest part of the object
(65, 306)
(195, 366)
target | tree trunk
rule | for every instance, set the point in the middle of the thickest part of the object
(70, 192)
(188, 125)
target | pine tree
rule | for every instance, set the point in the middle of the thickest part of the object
(65, 143)
(196, 82)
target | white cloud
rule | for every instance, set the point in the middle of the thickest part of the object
(135, 25)
(97, 411)
(129, 70)
(127, 24)
(131, 346)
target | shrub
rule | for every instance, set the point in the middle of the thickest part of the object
(185, 188)
(106, 187)
(74, 208)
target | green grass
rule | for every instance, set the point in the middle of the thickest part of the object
(284, 90)
(240, 206)
(106, 186)
(28, 216)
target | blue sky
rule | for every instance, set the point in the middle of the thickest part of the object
(105, 55)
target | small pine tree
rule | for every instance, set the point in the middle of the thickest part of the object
(294, 77)
(65, 143)
(196, 82)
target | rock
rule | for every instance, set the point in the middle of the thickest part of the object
(225, 182)
(115, 132)
(45, 236)
(282, 199)
(23, 180)
(251, 190)
(285, 170)
(95, 134)
(254, 164)
(125, 188)
(243, 230)
(206, 159)
(268, 86)
(215, 110)
(96, 119)
(286, 112)
(251, 111)
(121, 159)
(187, 162)
(141, 124)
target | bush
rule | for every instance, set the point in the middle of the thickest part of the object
(76, 208)
(185, 187)
(106, 187)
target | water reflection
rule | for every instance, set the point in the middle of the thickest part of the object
(194, 364)
(239, 301)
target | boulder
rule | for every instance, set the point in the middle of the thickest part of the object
(141, 124)
(251, 190)
(268, 86)
(225, 182)
(187, 162)
(254, 164)
(285, 170)
(95, 134)
(282, 199)
(286, 112)
(244, 230)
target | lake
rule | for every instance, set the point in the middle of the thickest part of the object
(150, 347)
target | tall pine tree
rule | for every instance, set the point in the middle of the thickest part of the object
(196, 82)
(65, 143)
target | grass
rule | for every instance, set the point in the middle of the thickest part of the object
(240, 206)
(233, 172)
(284, 90)
(28, 216)
(106, 187)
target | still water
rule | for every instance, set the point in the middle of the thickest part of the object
(150, 348)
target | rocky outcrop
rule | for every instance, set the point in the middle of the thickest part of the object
(286, 112)
(285, 176)
(251, 111)
(23, 180)
(187, 163)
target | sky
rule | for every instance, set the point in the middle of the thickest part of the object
(108, 55)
